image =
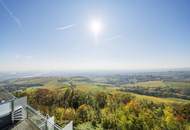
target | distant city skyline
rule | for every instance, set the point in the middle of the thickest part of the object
(94, 35)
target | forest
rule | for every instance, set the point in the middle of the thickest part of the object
(107, 108)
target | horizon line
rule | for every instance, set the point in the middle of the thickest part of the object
(104, 70)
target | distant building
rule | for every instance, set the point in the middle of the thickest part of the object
(16, 114)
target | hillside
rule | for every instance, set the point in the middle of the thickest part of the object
(176, 89)
(108, 102)
(95, 107)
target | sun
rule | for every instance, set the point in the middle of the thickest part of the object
(96, 27)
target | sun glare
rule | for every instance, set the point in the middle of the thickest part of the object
(96, 27)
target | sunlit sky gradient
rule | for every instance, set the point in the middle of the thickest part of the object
(55, 34)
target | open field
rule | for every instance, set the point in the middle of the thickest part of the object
(169, 89)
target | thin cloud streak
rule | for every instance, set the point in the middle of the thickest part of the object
(66, 27)
(15, 18)
(114, 37)
(23, 57)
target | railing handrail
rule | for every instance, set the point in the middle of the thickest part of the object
(43, 117)
(8, 93)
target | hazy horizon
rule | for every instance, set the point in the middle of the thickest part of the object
(118, 71)
(94, 35)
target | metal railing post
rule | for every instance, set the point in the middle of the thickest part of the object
(12, 110)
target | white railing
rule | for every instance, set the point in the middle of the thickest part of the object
(5, 109)
(69, 126)
(20, 110)
(42, 122)
(18, 114)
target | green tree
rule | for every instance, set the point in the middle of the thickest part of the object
(85, 113)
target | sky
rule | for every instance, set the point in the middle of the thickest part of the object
(58, 34)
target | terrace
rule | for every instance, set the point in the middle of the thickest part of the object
(16, 114)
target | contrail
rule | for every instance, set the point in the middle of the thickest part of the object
(15, 18)
(66, 27)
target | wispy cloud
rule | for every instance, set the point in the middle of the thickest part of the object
(23, 57)
(114, 37)
(66, 27)
(15, 18)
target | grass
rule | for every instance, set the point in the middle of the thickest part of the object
(160, 83)
(147, 84)
(160, 100)
(178, 84)
(91, 88)
(87, 88)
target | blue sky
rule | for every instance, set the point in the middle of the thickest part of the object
(55, 34)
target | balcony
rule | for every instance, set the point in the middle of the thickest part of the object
(16, 114)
